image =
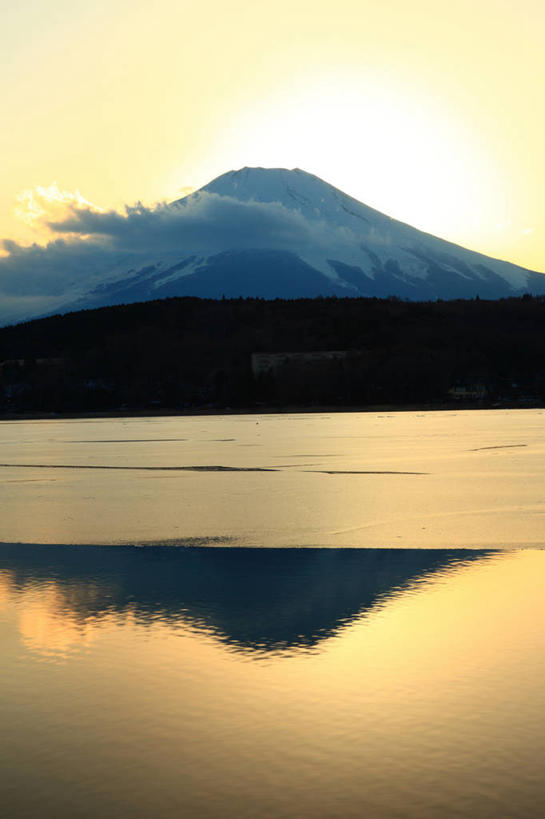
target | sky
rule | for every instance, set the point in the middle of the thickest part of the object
(429, 111)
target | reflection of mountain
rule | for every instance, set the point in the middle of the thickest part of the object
(264, 600)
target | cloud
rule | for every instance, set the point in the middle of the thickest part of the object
(205, 222)
(93, 244)
(37, 204)
(48, 270)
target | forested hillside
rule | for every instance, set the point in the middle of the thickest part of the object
(191, 353)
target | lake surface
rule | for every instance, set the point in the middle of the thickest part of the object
(146, 675)
(435, 479)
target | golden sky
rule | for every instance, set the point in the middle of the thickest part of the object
(430, 111)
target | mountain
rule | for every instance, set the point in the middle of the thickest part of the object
(271, 232)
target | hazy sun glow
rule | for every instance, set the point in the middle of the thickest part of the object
(430, 113)
(358, 123)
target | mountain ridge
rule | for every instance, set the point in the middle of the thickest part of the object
(395, 273)
(275, 233)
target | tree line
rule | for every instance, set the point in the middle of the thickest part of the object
(185, 353)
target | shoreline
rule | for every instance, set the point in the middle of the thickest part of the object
(166, 412)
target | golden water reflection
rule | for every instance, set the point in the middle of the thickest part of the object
(342, 683)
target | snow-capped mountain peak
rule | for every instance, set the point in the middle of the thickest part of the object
(270, 233)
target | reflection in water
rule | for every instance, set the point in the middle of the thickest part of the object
(165, 682)
(48, 625)
(266, 600)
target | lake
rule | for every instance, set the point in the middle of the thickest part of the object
(431, 479)
(157, 660)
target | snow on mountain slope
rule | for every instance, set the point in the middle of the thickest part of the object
(356, 231)
(264, 232)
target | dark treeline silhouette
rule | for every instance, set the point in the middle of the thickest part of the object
(185, 353)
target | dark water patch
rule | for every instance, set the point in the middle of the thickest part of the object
(143, 468)
(126, 440)
(363, 472)
(29, 480)
(500, 446)
(175, 543)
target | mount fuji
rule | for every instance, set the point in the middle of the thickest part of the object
(274, 233)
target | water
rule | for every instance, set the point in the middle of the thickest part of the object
(166, 679)
(437, 479)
